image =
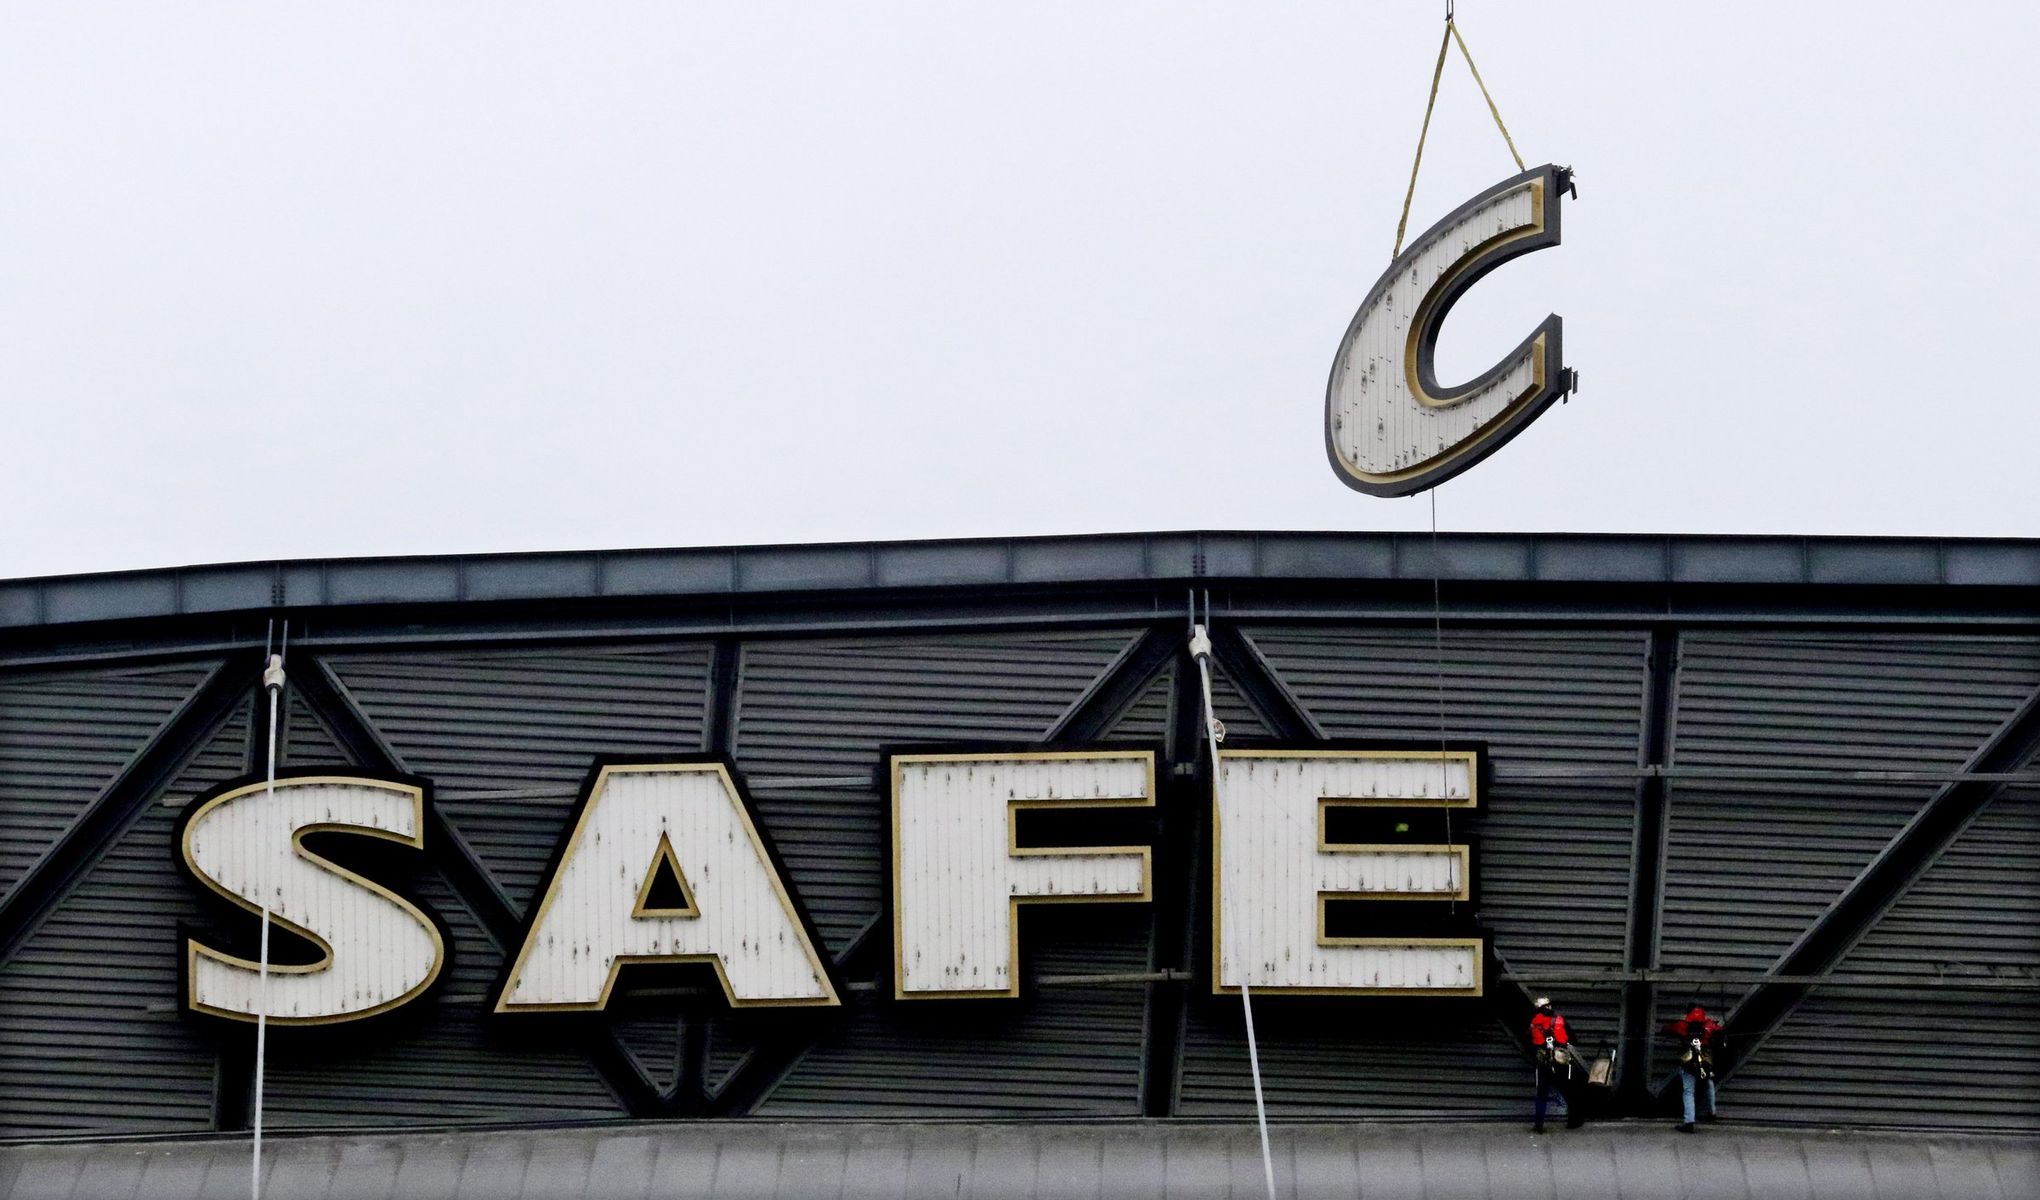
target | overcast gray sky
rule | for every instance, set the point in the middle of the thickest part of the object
(353, 278)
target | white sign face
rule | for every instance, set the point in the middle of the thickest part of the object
(959, 875)
(640, 822)
(1390, 428)
(1273, 871)
(377, 949)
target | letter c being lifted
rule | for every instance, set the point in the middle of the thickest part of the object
(1390, 428)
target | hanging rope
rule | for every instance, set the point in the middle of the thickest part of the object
(1452, 27)
(1437, 71)
(272, 682)
(1214, 733)
(1438, 649)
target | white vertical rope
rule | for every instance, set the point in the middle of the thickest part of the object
(1438, 649)
(272, 682)
(1214, 732)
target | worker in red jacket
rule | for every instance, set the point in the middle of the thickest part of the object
(1697, 1033)
(1556, 1066)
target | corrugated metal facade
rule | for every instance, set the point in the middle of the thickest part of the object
(90, 1039)
(63, 736)
(1956, 1051)
(505, 713)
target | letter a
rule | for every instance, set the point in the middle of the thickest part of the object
(638, 827)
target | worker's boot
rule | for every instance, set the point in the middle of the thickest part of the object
(1684, 1127)
(1537, 1128)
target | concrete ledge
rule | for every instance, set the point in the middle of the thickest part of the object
(731, 1160)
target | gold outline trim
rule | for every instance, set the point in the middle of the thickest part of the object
(1014, 850)
(1540, 375)
(552, 886)
(664, 855)
(1472, 801)
(194, 949)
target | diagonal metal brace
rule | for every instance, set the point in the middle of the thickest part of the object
(1902, 861)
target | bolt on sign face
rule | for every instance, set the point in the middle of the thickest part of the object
(1391, 429)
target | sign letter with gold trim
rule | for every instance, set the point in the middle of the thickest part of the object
(1391, 428)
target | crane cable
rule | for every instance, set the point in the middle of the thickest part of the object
(1445, 44)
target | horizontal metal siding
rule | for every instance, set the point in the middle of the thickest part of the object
(306, 742)
(1751, 864)
(90, 1039)
(1553, 875)
(508, 736)
(63, 738)
(446, 1061)
(1146, 720)
(1238, 717)
(820, 710)
(1453, 1062)
(652, 1037)
(1925, 1056)
(1061, 1050)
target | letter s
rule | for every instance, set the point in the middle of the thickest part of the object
(1390, 428)
(377, 950)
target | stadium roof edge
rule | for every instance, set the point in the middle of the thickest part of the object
(1118, 558)
(1093, 1158)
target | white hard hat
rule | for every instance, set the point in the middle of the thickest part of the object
(1542, 1002)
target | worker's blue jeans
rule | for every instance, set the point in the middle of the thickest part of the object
(1687, 1084)
(1546, 1089)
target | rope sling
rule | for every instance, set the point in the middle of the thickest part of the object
(1445, 44)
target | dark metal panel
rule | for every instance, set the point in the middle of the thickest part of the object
(306, 742)
(1058, 560)
(1988, 564)
(86, 599)
(1107, 558)
(1467, 556)
(21, 603)
(1913, 1057)
(442, 1063)
(90, 1038)
(530, 577)
(508, 736)
(1752, 864)
(941, 564)
(227, 589)
(1738, 560)
(64, 736)
(1868, 560)
(1327, 556)
(1449, 1062)
(668, 572)
(389, 581)
(803, 567)
(812, 716)
(1146, 720)
(1063, 1051)
(1642, 560)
